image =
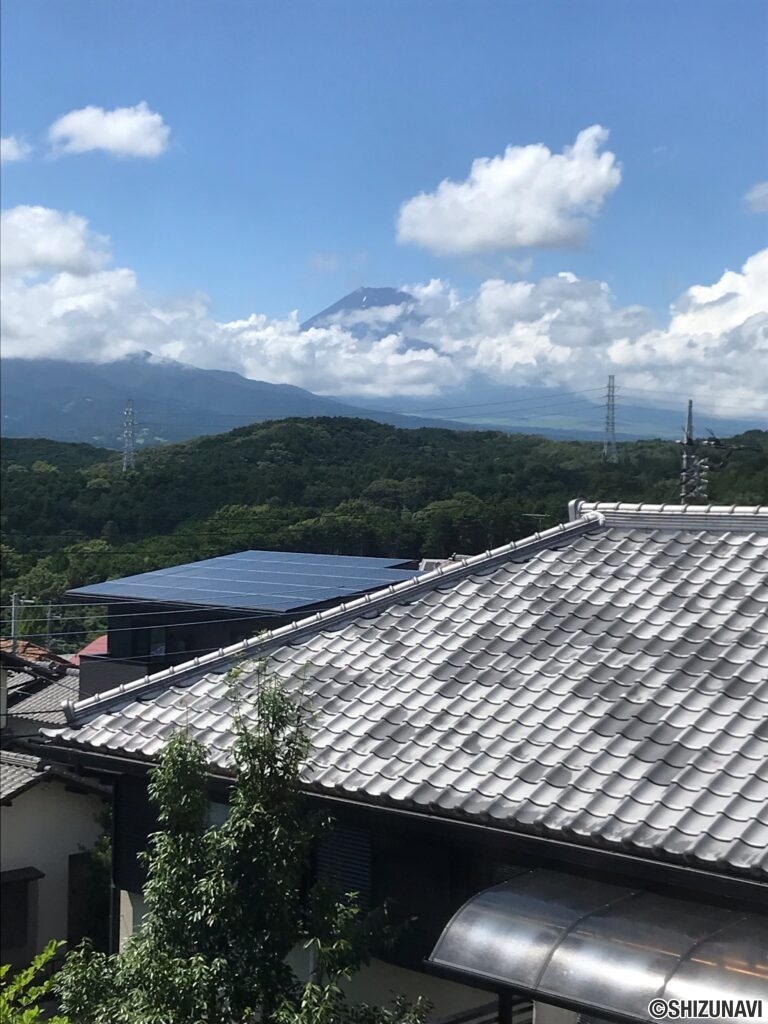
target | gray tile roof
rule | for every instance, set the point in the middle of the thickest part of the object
(17, 773)
(43, 700)
(604, 683)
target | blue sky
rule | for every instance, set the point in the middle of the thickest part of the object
(298, 129)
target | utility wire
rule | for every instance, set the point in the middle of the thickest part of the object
(412, 412)
(256, 614)
(488, 405)
(184, 655)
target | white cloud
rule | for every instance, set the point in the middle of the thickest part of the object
(716, 342)
(325, 262)
(13, 148)
(560, 332)
(35, 239)
(125, 131)
(757, 197)
(527, 197)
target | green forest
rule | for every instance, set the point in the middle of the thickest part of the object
(71, 516)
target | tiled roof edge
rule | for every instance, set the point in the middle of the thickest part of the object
(306, 626)
(722, 517)
(20, 760)
(42, 771)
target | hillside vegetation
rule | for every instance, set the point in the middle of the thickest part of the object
(336, 485)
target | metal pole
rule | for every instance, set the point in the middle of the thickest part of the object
(688, 459)
(14, 620)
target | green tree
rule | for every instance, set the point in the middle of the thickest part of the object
(23, 995)
(225, 905)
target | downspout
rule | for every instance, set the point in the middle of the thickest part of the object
(3, 696)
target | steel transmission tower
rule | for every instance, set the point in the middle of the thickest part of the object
(694, 471)
(129, 436)
(610, 451)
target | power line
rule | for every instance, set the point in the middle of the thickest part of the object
(80, 608)
(255, 614)
(487, 405)
(187, 655)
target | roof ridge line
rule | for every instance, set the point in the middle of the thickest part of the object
(580, 507)
(311, 623)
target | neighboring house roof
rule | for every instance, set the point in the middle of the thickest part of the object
(33, 653)
(17, 773)
(41, 699)
(98, 646)
(37, 691)
(267, 581)
(603, 683)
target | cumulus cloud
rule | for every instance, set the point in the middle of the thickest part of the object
(13, 148)
(529, 196)
(558, 331)
(757, 197)
(35, 239)
(717, 338)
(126, 131)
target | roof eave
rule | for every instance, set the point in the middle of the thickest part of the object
(666, 871)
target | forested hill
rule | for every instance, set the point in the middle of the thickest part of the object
(351, 486)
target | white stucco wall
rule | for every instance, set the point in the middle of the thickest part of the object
(543, 1013)
(131, 911)
(40, 829)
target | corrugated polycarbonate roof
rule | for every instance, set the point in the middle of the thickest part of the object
(273, 581)
(602, 684)
(605, 948)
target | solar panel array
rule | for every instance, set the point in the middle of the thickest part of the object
(274, 581)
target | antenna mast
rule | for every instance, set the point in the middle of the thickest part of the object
(129, 436)
(610, 451)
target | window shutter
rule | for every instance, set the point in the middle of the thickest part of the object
(344, 862)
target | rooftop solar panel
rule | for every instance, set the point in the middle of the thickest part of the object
(255, 580)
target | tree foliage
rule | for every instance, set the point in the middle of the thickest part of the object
(23, 994)
(227, 904)
(335, 485)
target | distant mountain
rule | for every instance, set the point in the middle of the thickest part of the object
(362, 299)
(84, 402)
(173, 401)
(558, 412)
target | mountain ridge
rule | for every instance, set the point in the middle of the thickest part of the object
(84, 401)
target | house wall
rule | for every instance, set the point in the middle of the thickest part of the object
(3, 695)
(543, 1013)
(379, 982)
(17, 726)
(40, 829)
(148, 637)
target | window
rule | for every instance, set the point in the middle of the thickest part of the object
(156, 641)
(17, 906)
(344, 862)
